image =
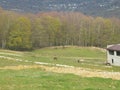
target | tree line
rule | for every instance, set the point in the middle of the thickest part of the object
(29, 31)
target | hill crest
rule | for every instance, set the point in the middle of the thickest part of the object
(89, 7)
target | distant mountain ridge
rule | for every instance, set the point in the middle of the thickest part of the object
(90, 7)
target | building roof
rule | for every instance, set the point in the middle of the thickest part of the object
(114, 47)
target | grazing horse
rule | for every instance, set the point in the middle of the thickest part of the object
(55, 58)
(78, 60)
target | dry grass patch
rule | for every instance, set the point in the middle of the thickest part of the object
(84, 72)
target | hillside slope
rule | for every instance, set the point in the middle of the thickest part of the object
(89, 7)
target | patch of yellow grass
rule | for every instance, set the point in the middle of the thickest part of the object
(73, 70)
(20, 67)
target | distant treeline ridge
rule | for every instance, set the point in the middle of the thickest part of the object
(29, 31)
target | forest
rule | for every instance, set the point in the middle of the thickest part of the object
(26, 31)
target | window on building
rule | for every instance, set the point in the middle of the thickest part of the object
(112, 61)
(111, 52)
(118, 53)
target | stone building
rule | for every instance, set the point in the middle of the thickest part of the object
(113, 54)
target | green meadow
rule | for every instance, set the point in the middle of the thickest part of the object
(40, 79)
(37, 79)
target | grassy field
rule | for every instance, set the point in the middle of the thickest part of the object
(68, 55)
(89, 57)
(40, 79)
(37, 79)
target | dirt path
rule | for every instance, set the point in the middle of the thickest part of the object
(58, 68)
(73, 70)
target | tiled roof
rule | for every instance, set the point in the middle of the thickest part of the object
(114, 47)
